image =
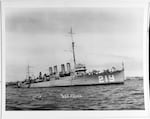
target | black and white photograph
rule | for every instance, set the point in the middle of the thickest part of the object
(74, 58)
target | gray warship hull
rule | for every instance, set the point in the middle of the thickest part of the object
(116, 77)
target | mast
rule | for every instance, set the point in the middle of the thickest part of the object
(28, 71)
(122, 65)
(73, 45)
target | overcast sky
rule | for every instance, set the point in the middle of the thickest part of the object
(104, 38)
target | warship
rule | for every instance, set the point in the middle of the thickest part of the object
(76, 76)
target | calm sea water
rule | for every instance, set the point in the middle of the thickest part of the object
(129, 96)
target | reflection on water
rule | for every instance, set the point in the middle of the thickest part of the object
(129, 96)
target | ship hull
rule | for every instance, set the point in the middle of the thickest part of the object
(116, 77)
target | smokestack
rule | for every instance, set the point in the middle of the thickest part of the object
(50, 70)
(68, 67)
(63, 68)
(55, 69)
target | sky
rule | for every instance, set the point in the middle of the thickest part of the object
(104, 37)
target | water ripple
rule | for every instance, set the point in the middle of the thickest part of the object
(129, 96)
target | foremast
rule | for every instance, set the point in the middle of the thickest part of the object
(73, 46)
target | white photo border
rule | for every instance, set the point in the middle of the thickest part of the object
(78, 114)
